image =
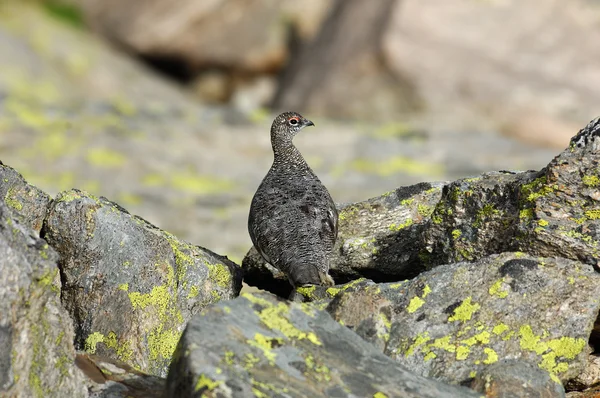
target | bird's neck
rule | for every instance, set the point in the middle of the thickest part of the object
(285, 153)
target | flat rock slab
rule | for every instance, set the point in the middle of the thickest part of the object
(36, 334)
(129, 286)
(453, 321)
(257, 345)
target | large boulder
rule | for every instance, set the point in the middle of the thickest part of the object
(453, 321)
(36, 333)
(129, 286)
(258, 345)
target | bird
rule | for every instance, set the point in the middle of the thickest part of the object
(293, 221)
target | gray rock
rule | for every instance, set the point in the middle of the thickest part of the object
(259, 346)
(560, 211)
(129, 286)
(36, 333)
(30, 202)
(516, 379)
(453, 321)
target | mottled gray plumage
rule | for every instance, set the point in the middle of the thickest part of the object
(293, 220)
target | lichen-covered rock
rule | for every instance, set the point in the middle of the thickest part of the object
(513, 378)
(36, 333)
(377, 239)
(451, 322)
(257, 345)
(560, 210)
(30, 202)
(129, 286)
(110, 378)
(475, 217)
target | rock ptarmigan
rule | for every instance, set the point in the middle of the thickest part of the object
(293, 220)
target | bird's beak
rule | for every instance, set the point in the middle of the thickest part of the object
(308, 123)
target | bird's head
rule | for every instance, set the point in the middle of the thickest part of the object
(288, 124)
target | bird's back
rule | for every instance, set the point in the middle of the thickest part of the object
(293, 224)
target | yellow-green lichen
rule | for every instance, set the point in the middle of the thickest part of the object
(398, 227)
(319, 371)
(593, 214)
(407, 202)
(379, 394)
(424, 210)
(306, 291)
(273, 316)
(162, 343)
(499, 329)
(11, 201)
(429, 356)
(462, 352)
(194, 291)
(496, 289)
(220, 274)
(590, 181)
(492, 356)
(266, 345)
(420, 340)
(124, 287)
(206, 384)
(92, 340)
(464, 311)
(415, 303)
(456, 234)
(443, 343)
(480, 338)
(426, 291)
(250, 360)
(228, 358)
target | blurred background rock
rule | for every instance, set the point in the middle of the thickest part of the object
(164, 106)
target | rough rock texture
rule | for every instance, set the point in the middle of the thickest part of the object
(449, 323)
(129, 286)
(109, 378)
(515, 379)
(259, 346)
(36, 334)
(30, 202)
(561, 209)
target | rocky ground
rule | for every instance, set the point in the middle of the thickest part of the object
(487, 285)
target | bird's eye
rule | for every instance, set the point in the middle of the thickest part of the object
(294, 121)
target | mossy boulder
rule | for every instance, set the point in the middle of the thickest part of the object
(129, 286)
(258, 345)
(36, 333)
